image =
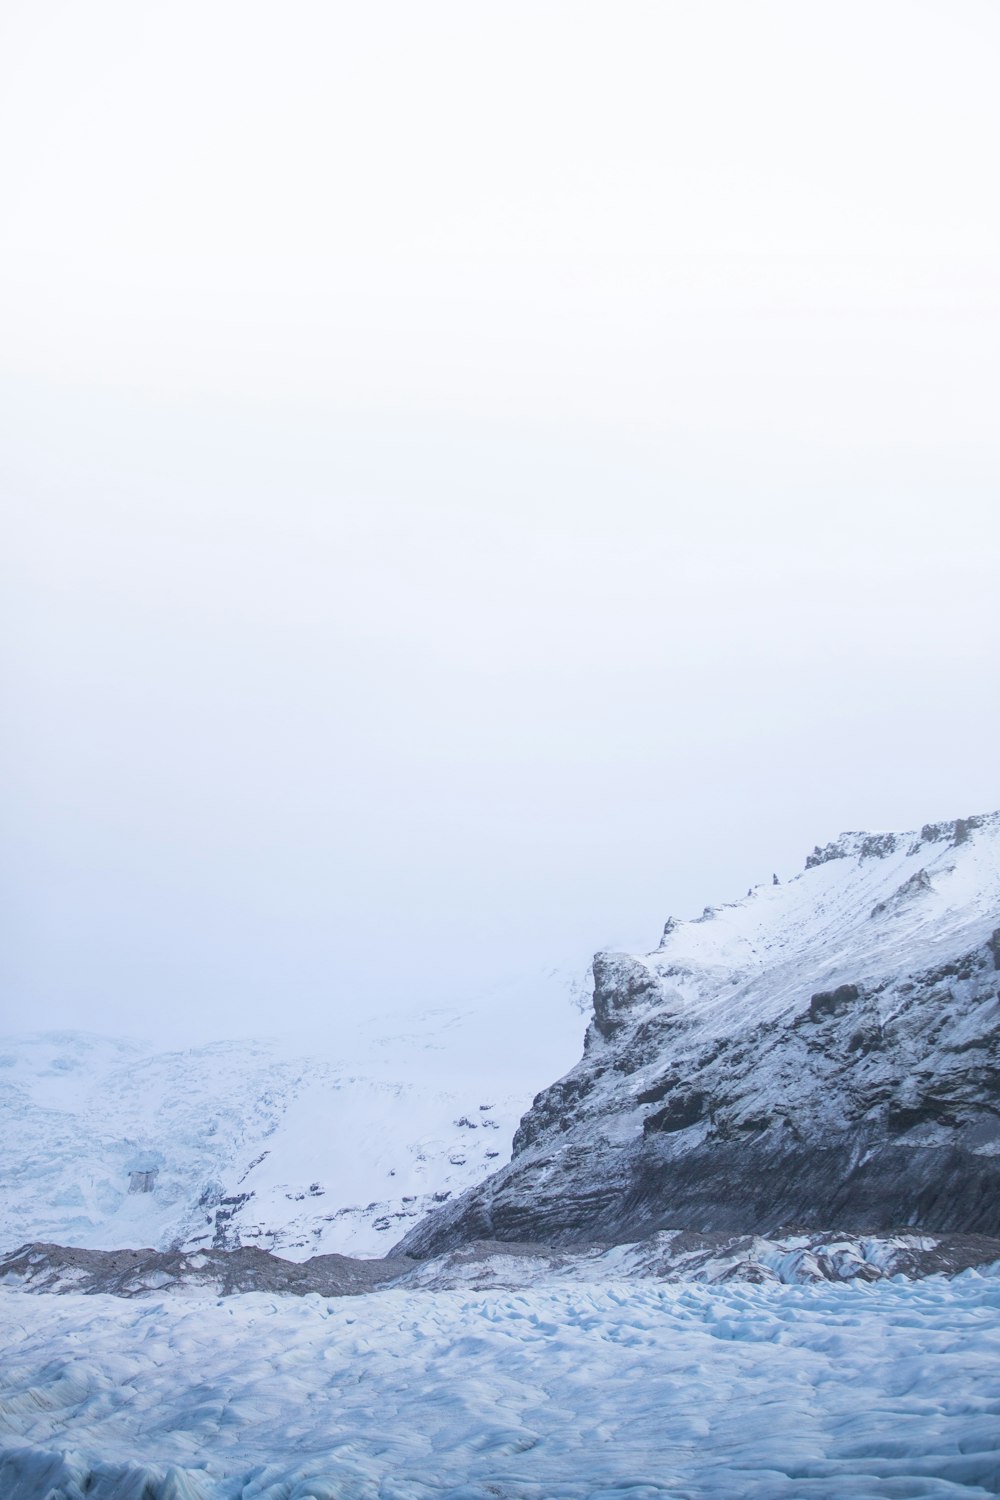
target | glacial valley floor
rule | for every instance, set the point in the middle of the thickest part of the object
(551, 1392)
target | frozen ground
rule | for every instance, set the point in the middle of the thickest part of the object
(555, 1392)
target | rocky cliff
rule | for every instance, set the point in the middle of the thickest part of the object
(822, 1053)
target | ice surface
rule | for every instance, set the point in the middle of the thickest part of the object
(548, 1393)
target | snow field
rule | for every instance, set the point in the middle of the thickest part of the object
(550, 1393)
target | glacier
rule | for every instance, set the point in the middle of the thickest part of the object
(304, 1145)
(583, 1392)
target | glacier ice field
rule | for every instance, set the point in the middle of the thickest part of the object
(568, 1392)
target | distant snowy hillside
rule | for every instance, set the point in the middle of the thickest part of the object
(824, 1052)
(304, 1147)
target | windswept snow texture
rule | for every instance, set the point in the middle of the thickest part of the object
(560, 1393)
(822, 1053)
(308, 1147)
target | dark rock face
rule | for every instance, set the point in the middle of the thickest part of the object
(722, 1090)
(618, 984)
(833, 1002)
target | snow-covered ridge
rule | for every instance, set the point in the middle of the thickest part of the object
(865, 906)
(824, 1051)
(868, 845)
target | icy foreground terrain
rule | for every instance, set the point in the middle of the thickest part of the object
(330, 1145)
(553, 1393)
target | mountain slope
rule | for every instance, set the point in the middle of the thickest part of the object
(825, 1052)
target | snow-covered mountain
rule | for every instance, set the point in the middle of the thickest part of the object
(309, 1147)
(824, 1053)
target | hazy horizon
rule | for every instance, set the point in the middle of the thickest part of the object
(478, 481)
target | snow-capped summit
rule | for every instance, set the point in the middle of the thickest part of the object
(821, 1052)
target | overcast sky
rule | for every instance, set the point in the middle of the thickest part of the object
(479, 478)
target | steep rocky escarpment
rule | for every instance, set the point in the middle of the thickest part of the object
(824, 1053)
